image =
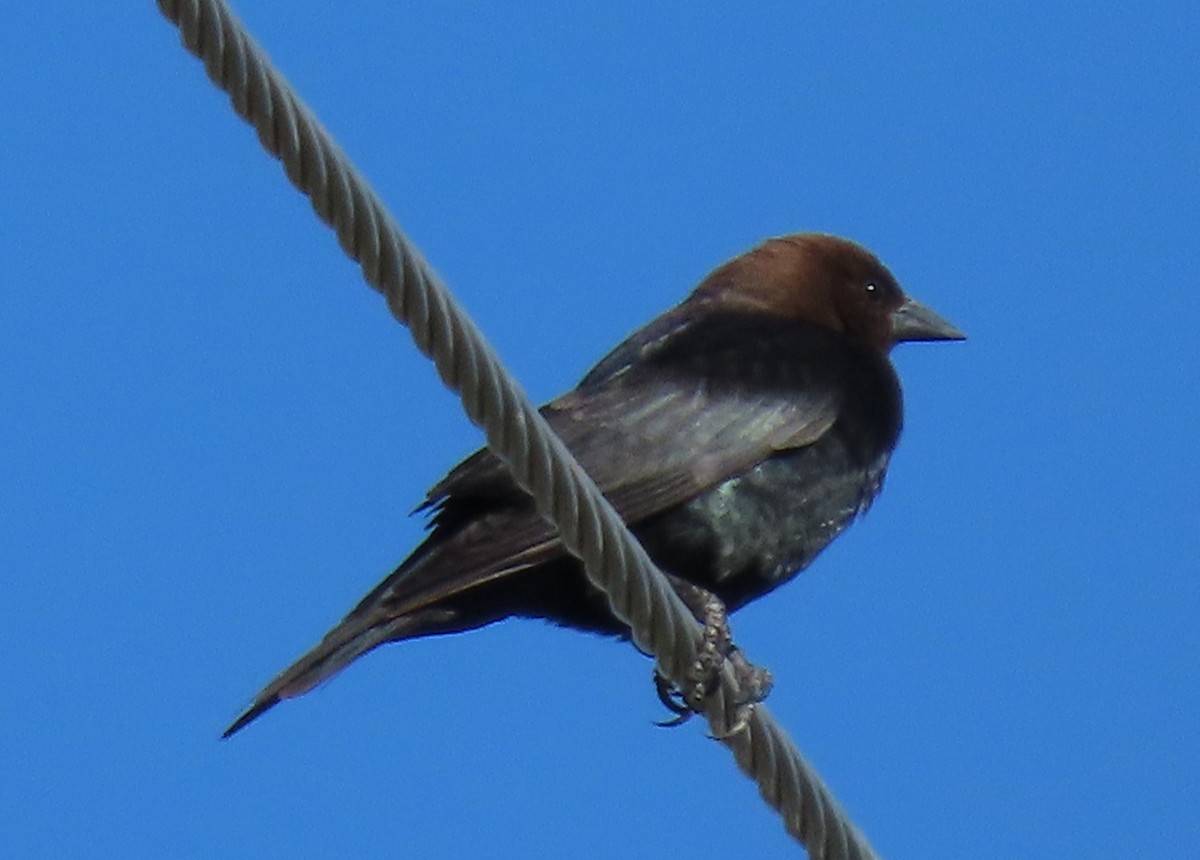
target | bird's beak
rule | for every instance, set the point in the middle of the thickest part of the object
(913, 321)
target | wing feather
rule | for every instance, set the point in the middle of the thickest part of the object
(675, 422)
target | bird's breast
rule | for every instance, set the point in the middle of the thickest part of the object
(754, 531)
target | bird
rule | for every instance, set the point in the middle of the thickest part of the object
(737, 435)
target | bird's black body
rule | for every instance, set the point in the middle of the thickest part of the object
(750, 532)
(737, 434)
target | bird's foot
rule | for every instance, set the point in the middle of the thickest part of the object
(716, 643)
(754, 685)
(716, 647)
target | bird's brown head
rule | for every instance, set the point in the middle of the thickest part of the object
(825, 280)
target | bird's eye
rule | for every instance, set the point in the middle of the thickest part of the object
(873, 290)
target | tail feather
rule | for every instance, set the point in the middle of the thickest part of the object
(343, 645)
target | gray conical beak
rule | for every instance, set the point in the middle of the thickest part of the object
(913, 321)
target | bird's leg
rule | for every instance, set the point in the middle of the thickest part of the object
(716, 646)
(716, 641)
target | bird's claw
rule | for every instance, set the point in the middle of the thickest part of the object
(672, 700)
(716, 647)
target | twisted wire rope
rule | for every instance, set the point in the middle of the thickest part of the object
(589, 527)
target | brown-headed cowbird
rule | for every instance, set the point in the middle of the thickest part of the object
(737, 434)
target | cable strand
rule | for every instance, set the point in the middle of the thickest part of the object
(589, 527)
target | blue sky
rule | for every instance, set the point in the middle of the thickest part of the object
(213, 432)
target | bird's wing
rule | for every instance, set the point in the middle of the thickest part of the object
(651, 439)
(649, 451)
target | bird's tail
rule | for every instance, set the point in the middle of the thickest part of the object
(342, 645)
